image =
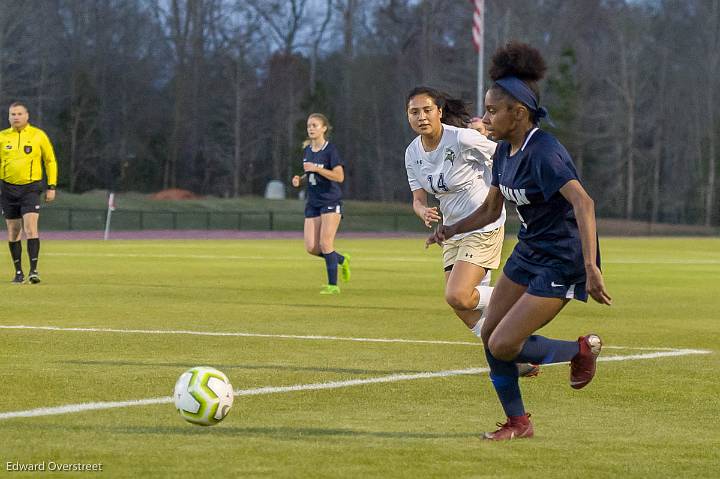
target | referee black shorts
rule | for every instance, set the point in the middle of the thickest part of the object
(18, 200)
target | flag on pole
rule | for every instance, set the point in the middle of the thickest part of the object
(478, 40)
(478, 22)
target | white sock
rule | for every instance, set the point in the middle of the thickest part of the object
(485, 293)
(486, 279)
(478, 326)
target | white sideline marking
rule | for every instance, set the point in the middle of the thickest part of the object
(96, 406)
(406, 259)
(286, 336)
(240, 334)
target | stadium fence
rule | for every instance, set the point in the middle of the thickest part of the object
(79, 219)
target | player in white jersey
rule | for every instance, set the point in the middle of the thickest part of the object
(454, 164)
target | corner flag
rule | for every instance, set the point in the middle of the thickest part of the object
(111, 208)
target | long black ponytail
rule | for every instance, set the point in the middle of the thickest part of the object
(455, 111)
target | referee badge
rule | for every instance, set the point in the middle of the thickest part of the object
(27, 149)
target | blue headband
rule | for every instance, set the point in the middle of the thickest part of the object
(522, 93)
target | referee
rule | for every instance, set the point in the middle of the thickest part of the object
(25, 149)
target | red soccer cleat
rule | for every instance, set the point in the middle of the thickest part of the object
(582, 366)
(516, 427)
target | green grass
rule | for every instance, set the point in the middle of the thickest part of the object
(642, 418)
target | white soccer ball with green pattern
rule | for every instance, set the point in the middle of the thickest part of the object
(203, 395)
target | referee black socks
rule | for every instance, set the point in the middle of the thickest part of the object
(16, 254)
(33, 247)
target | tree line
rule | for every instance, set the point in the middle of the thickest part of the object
(212, 95)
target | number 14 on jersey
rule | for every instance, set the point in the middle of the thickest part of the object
(440, 185)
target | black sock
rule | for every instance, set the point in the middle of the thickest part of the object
(331, 264)
(16, 254)
(33, 247)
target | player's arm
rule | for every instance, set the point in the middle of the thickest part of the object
(337, 174)
(420, 207)
(488, 212)
(48, 158)
(584, 208)
(472, 139)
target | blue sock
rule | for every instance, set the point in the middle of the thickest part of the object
(331, 264)
(340, 258)
(504, 377)
(542, 350)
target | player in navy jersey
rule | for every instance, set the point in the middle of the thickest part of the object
(556, 258)
(323, 175)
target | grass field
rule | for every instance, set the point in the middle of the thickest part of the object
(651, 412)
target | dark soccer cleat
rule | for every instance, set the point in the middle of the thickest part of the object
(528, 370)
(516, 427)
(582, 366)
(19, 278)
(34, 277)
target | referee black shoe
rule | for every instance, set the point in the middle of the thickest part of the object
(19, 278)
(34, 277)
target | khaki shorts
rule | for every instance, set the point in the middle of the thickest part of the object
(480, 249)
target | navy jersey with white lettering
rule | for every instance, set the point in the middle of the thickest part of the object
(320, 190)
(532, 178)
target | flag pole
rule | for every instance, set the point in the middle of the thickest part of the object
(478, 40)
(111, 208)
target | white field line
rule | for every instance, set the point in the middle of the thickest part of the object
(407, 259)
(96, 406)
(284, 336)
(238, 334)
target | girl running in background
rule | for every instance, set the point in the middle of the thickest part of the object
(454, 163)
(557, 256)
(323, 207)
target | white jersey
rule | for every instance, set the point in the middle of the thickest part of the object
(458, 172)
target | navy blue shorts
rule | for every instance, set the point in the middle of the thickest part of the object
(315, 211)
(544, 281)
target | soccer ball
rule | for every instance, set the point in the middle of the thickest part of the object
(203, 395)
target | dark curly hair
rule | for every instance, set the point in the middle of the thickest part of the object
(455, 111)
(519, 60)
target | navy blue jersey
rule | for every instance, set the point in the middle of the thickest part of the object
(320, 190)
(532, 178)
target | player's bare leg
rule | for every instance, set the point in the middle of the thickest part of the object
(311, 235)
